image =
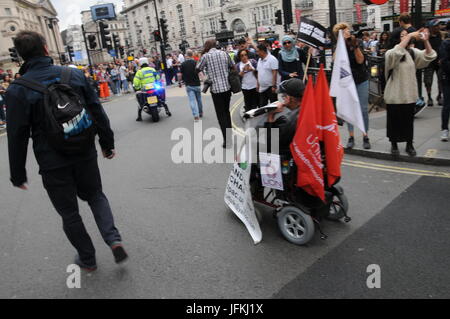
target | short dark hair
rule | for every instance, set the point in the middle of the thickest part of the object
(405, 18)
(30, 44)
(242, 41)
(262, 47)
(240, 52)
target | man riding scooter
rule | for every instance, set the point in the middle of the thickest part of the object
(146, 75)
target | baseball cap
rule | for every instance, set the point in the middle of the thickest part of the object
(292, 87)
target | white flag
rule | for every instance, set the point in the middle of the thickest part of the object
(343, 87)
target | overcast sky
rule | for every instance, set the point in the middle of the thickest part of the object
(69, 10)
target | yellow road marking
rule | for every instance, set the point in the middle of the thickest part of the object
(233, 109)
(396, 167)
(434, 174)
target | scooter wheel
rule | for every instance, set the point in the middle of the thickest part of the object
(295, 225)
(338, 208)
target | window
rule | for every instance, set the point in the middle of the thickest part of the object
(181, 19)
(8, 11)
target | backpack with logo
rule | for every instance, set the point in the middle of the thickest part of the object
(66, 123)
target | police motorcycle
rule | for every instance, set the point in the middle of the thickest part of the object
(152, 99)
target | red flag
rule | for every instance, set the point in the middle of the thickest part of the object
(329, 130)
(305, 147)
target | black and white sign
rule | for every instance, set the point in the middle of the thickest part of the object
(312, 33)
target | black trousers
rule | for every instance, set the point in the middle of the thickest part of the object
(82, 179)
(222, 106)
(400, 122)
(267, 97)
(251, 99)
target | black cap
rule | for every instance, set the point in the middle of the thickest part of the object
(293, 87)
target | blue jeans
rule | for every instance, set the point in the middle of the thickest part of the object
(125, 85)
(363, 94)
(117, 86)
(195, 99)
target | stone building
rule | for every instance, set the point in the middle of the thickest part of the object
(35, 15)
(117, 26)
(182, 20)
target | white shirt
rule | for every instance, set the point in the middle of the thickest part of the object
(181, 58)
(249, 80)
(169, 63)
(123, 73)
(265, 72)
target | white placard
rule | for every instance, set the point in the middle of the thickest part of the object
(271, 171)
(239, 198)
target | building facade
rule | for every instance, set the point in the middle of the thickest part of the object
(355, 12)
(35, 15)
(117, 26)
(74, 38)
(183, 20)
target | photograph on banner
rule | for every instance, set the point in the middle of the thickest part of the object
(312, 33)
(270, 165)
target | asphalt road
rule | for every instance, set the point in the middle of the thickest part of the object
(184, 243)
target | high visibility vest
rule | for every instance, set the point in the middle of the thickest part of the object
(144, 76)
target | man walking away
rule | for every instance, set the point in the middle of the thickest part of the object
(190, 77)
(64, 176)
(267, 76)
(445, 64)
(218, 63)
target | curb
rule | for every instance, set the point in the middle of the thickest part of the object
(434, 161)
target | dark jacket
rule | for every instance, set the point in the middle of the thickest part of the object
(286, 68)
(25, 118)
(287, 125)
(444, 57)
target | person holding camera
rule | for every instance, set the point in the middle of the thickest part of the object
(360, 73)
(401, 91)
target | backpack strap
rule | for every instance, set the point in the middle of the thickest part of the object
(31, 84)
(65, 75)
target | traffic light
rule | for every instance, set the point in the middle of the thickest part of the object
(287, 9)
(63, 59)
(157, 36)
(116, 41)
(14, 55)
(104, 32)
(70, 52)
(92, 42)
(164, 29)
(279, 19)
(122, 51)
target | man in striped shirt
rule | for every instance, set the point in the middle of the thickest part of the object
(217, 64)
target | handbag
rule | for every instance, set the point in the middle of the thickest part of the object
(206, 85)
(235, 81)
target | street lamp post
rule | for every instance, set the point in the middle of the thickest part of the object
(333, 17)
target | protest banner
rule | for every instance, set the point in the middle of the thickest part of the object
(238, 197)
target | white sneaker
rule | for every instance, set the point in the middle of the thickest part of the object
(445, 136)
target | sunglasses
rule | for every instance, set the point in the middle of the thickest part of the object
(287, 42)
(243, 55)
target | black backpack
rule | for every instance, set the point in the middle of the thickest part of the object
(68, 126)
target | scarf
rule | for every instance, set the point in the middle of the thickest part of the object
(289, 55)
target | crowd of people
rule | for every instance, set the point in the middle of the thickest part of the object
(265, 70)
(6, 78)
